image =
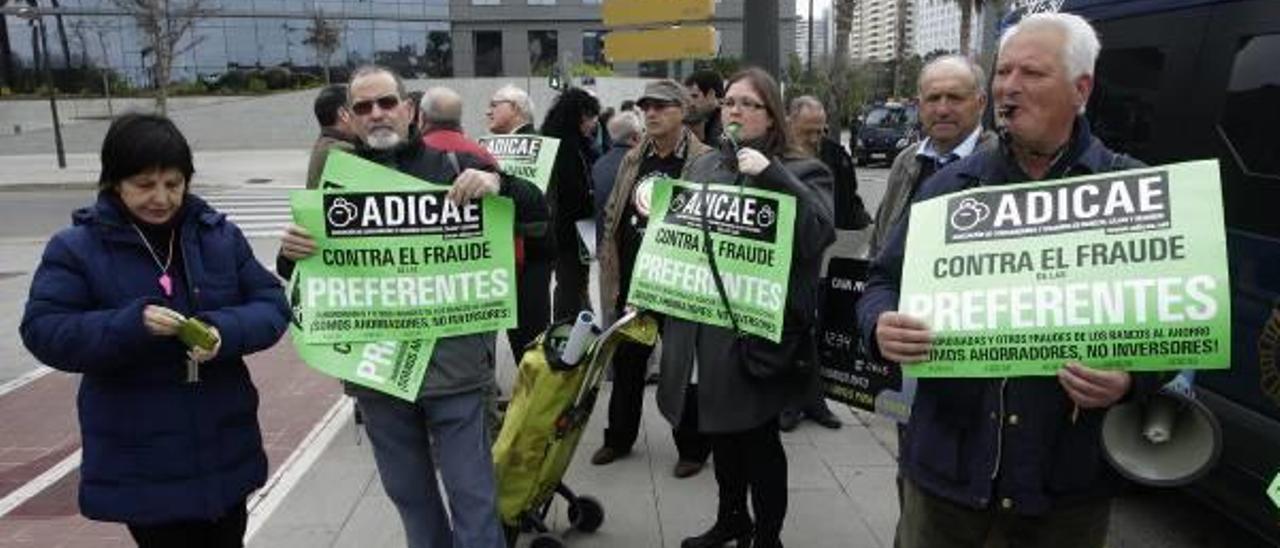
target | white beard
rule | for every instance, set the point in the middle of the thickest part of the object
(382, 139)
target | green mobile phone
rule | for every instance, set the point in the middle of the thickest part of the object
(196, 333)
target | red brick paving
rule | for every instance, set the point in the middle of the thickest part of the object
(39, 428)
(293, 398)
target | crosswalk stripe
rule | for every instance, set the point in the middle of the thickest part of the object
(259, 212)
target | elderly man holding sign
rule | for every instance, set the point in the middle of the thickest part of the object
(1046, 291)
(439, 426)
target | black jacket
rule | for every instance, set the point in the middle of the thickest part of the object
(963, 442)
(851, 214)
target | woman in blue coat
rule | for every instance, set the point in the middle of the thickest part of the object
(171, 444)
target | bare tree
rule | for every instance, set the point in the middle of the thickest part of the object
(83, 27)
(324, 36)
(163, 25)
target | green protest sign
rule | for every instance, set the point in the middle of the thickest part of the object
(396, 263)
(528, 157)
(751, 232)
(1124, 270)
(392, 367)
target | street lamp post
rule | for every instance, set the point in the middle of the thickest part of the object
(32, 14)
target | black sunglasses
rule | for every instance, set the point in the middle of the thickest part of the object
(386, 102)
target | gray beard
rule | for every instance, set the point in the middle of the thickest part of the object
(382, 139)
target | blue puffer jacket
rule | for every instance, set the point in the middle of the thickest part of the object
(156, 449)
(1008, 443)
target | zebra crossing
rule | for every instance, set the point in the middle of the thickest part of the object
(259, 212)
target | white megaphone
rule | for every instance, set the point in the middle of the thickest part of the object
(1170, 440)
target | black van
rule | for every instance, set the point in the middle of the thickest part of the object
(1191, 79)
(885, 130)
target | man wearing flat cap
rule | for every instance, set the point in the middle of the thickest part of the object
(668, 149)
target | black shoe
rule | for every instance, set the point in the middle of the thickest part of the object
(606, 455)
(736, 530)
(827, 419)
(687, 468)
(789, 419)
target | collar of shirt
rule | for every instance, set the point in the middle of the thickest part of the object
(962, 150)
(682, 147)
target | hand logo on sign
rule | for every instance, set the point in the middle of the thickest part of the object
(969, 213)
(342, 213)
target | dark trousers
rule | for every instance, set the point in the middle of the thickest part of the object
(753, 462)
(571, 282)
(933, 522)
(224, 532)
(533, 305)
(812, 401)
(691, 444)
(626, 404)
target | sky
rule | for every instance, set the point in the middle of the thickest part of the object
(802, 7)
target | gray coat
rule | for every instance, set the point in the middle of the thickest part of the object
(901, 184)
(729, 399)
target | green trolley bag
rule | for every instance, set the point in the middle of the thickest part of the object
(550, 405)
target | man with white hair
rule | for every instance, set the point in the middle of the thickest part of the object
(952, 95)
(510, 111)
(625, 130)
(443, 429)
(1012, 461)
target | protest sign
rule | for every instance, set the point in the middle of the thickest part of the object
(848, 374)
(391, 367)
(1123, 270)
(529, 157)
(398, 263)
(751, 233)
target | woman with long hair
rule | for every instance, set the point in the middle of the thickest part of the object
(573, 120)
(168, 412)
(743, 382)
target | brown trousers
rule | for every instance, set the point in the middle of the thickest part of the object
(933, 522)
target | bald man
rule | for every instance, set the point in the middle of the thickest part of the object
(952, 96)
(440, 115)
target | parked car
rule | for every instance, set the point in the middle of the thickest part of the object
(886, 130)
(1191, 79)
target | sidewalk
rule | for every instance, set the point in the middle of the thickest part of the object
(216, 168)
(842, 491)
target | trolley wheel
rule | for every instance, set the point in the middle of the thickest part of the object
(546, 540)
(586, 514)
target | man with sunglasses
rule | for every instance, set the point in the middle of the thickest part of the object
(444, 430)
(668, 149)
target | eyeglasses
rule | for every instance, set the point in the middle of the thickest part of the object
(386, 102)
(747, 104)
(494, 103)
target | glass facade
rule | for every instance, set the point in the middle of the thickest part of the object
(413, 36)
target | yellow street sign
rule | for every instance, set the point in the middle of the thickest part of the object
(653, 45)
(638, 12)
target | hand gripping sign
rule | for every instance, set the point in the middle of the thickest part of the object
(398, 266)
(1123, 270)
(751, 235)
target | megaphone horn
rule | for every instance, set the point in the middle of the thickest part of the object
(1168, 441)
